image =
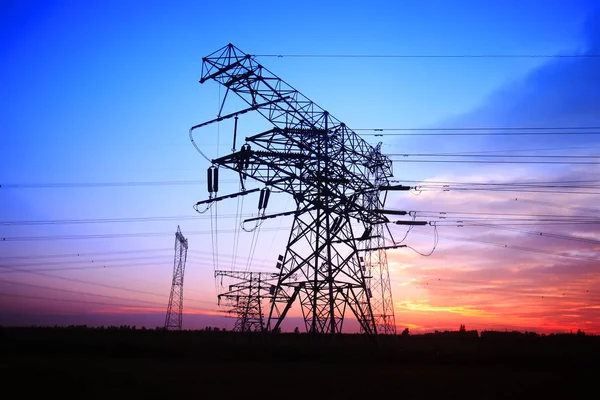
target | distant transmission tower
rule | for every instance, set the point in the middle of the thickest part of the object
(376, 267)
(175, 309)
(245, 298)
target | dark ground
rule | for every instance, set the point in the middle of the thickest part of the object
(92, 363)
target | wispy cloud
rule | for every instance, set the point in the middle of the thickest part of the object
(537, 276)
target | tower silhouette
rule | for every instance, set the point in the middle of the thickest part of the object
(244, 297)
(339, 184)
(173, 319)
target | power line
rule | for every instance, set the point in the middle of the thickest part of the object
(523, 186)
(553, 293)
(488, 155)
(494, 189)
(75, 280)
(543, 234)
(78, 292)
(508, 150)
(96, 261)
(498, 162)
(512, 187)
(441, 284)
(111, 264)
(501, 222)
(118, 184)
(488, 128)
(79, 268)
(547, 203)
(83, 301)
(507, 246)
(103, 253)
(427, 214)
(115, 220)
(500, 187)
(104, 265)
(109, 235)
(104, 184)
(485, 134)
(98, 253)
(65, 300)
(443, 56)
(469, 281)
(500, 184)
(95, 184)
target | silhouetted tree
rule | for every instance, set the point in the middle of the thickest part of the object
(405, 332)
(462, 328)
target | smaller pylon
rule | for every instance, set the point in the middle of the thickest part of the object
(245, 296)
(174, 316)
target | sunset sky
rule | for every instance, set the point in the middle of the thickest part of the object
(97, 170)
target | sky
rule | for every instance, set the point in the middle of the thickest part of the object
(97, 170)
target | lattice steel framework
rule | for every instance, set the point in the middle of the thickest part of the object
(329, 171)
(174, 315)
(246, 298)
(377, 274)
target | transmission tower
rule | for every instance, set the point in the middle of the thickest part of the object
(175, 308)
(245, 298)
(333, 176)
(377, 274)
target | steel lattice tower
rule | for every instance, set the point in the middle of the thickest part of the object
(245, 298)
(174, 316)
(334, 177)
(377, 275)
(378, 284)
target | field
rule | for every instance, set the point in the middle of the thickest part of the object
(94, 363)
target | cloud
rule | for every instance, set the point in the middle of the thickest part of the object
(506, 288)
(563, 91)
(527, 277)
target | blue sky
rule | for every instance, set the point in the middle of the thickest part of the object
(105, 91)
